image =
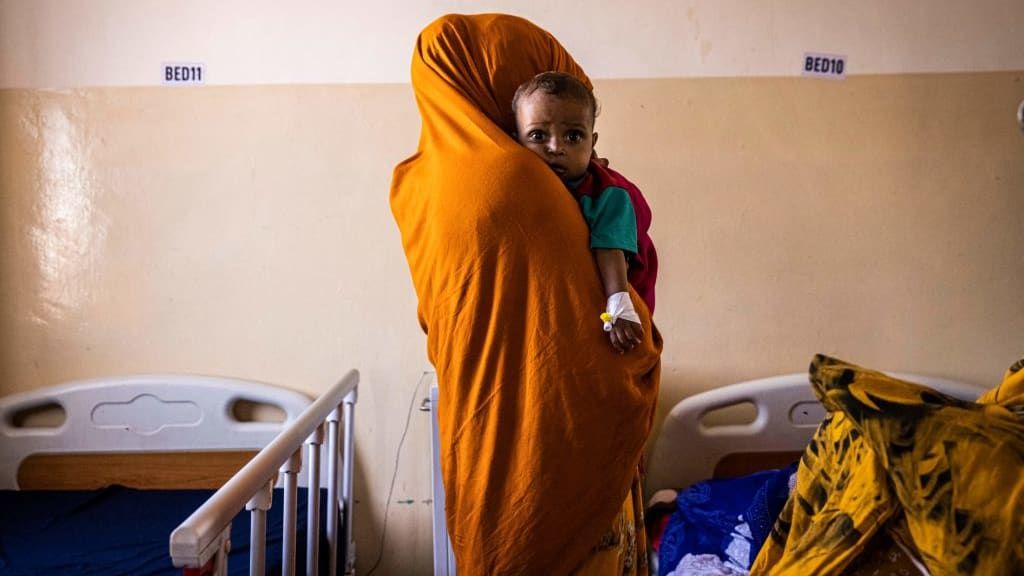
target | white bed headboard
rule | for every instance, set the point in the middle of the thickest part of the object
(788, 413)
(146, 413)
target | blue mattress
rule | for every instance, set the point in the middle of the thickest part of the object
(120, 530)
(729, 518)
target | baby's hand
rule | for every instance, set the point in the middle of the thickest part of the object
(625, 335)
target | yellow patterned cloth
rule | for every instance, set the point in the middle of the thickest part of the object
(951, 471)
(623, 547)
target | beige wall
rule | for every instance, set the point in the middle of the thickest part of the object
(245, 231)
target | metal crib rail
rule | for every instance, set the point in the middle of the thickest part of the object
(197, 540)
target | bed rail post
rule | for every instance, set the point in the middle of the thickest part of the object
(333, 476)
(313, 501)
(257, 507)
(290, 471)
(349, 408)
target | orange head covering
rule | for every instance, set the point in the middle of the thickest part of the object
(542, 423)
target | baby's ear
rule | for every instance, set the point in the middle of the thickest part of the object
(594, 143)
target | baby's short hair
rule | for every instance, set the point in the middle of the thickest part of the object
(557, 84)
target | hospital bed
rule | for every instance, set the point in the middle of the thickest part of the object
(750, 427)
(701, 439)
(783, 414)
(148, 475)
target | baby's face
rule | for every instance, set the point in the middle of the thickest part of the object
(559, 130)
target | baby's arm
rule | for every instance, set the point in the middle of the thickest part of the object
(625, 334)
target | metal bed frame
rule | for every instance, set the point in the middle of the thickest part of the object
(199, 545)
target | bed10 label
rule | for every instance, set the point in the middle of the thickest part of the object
(824, 65)
(183, 73)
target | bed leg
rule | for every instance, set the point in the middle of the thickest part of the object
(290, 471)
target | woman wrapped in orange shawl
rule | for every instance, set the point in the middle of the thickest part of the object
(542, 423)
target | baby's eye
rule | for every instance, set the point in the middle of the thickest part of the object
(574, 136)
(536, 136)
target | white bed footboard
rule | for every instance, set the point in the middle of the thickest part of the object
(198, 544)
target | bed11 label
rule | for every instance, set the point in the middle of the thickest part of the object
(183, 73)
(824, 65)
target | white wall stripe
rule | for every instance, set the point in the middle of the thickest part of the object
(74, 43)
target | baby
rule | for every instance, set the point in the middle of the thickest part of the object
(555, 116)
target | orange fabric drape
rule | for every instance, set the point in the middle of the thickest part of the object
(542, 423)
